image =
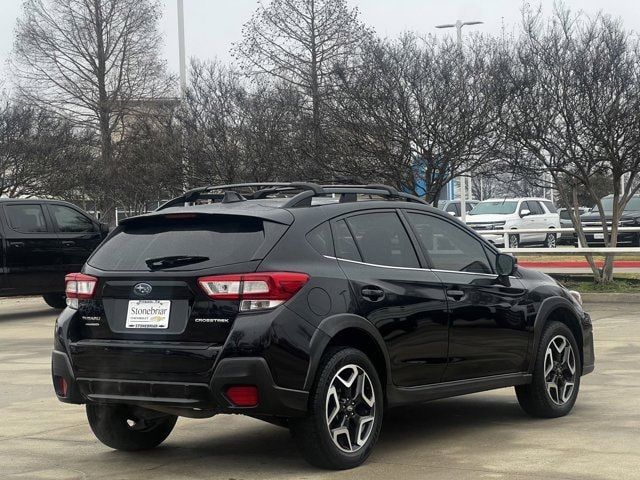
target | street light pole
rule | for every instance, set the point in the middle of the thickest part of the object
(463, 180)
(183, 89)
(183, 63)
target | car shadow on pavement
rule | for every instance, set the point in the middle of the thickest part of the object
(273, 451)
(434, 422)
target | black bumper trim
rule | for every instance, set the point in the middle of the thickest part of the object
(273, 400)
(61, 367)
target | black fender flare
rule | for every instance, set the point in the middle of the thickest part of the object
(547, 307)
(329, 328)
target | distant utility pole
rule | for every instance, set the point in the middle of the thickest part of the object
(183, 64)
(463, 180)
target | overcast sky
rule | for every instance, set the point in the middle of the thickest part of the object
(212, 25)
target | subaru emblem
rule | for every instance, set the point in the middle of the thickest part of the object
(142, 289)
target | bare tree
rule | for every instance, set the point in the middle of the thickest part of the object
(573, 105)
(302, 43)
(38, 151)
(418, 113)
(88, 60)
(212, 119)
(273, 133)
(150, 154)
(235, 132)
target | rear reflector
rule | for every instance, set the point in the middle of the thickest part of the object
(256, 291)
(79, 287)
(243, 395)
(61, 386)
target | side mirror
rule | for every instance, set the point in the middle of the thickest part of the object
(104, 228)
(505, 265)
(525, 212)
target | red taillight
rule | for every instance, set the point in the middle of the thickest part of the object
(79, 287)
(243, 395)
(256, 291)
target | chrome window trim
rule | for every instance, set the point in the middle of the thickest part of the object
(412, 268)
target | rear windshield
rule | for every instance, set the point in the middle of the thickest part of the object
(209, 241)
(498, 207)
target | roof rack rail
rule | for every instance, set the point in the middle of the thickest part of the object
(306, 192)
(261, 190)
(348, 193)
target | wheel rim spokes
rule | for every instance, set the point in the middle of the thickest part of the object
(350, 408)
(560, 370)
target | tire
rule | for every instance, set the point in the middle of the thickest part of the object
(344, 373)
(551, 240)
(55, 300)
(514, 241)
(127, 428)
(539, 400)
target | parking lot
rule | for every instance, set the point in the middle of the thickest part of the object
(478, 436)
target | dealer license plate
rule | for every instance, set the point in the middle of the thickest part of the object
(148, 314)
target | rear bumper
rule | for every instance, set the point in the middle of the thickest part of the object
(624, 238)
(210, 396)
(588, 353)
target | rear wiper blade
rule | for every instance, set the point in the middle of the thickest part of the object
(173, 261)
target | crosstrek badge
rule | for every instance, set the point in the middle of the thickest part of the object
(152, 314)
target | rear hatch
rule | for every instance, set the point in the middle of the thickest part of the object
(148, 299)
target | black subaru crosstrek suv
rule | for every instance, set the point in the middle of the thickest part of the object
(313, 307)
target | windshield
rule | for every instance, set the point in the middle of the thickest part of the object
(498, 207)
(607, 204)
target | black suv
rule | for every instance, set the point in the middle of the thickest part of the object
(40, 242)
(313, 307)
(630, 218)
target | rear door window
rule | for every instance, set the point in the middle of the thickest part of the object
(69, 220)
(382, 240)
(452, 208)
(551, 207)
(217, 240)
(25, 218)
(535, 207)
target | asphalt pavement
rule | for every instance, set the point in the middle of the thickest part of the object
(480, 436)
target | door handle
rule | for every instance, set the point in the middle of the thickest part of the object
(68, 243)
(455, 294)
(373, 294)
(17, 244)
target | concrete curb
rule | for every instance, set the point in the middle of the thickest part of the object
(590, 297)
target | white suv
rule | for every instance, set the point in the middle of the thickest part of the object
(515, 214)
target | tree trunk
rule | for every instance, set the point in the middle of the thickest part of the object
(577, 225)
